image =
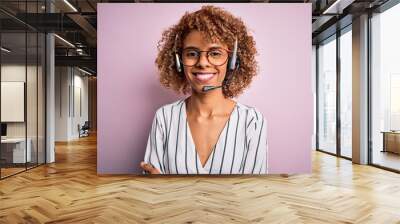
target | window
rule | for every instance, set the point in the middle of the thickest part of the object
(327, 95)
(385, 88)
(346, 93)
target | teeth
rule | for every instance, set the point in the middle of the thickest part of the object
(204, 76)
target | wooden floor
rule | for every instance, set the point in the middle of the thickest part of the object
(5, 172)
(387, 159)
(69, 191)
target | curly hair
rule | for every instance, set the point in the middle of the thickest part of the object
(217, 25)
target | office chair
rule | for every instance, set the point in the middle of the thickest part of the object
(84, 130)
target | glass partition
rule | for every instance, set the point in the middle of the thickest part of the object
(32, 95)
(41, 91)
(13, 109)
(22, 78)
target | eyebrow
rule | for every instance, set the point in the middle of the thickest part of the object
(195, 48)
(210, 48)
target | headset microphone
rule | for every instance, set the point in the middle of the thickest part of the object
(208, 88)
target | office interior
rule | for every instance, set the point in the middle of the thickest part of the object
(48, 81)
(379, 97)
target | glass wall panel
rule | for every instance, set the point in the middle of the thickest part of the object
(346, 93)
(32, 83)
(41, 79)
(385, 87)
(327, 96)
(22, 88)
(13, 95)
(32, 95)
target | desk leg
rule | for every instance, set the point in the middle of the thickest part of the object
(384, 143)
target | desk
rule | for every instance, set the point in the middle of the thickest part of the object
(15, 148)
(391, 141)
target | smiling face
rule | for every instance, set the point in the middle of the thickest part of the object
(203, 73)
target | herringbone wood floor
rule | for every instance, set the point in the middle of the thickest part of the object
(69, 191)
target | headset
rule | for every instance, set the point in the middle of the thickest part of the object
(233, 64)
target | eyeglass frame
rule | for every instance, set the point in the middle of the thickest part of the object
(198, 59)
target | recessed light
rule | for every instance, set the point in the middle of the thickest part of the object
(84, 71)
(338, 6)
(64, 40)
(5, 50)
(70, 5)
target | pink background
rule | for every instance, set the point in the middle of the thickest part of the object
(129, 92)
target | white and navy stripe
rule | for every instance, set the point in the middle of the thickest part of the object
(240, 149)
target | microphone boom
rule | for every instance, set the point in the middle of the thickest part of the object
(208, 88)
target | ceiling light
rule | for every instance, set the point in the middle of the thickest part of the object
(64, 40)
(70, 5)
(5, 50)
(84, 71)
(337, 7)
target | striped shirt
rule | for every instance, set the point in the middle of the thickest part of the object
(240, 149)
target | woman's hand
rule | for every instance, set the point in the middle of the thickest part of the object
(149, 168)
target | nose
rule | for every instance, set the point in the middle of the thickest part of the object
(203, 60)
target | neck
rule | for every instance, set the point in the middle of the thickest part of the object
(208, 104)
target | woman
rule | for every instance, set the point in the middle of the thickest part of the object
(210, 55)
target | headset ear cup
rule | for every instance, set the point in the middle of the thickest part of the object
(233, 65)
(178, 63)
(233, 59)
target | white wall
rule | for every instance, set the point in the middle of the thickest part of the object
(71, 94)
(62, 81)
(15, 72)
(81, 102)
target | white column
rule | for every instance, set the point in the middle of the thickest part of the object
(50, 92)
(50, 100)
(360, 90)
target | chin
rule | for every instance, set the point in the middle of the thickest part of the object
(198, 90)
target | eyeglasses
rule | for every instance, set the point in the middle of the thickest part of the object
(216, 56)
